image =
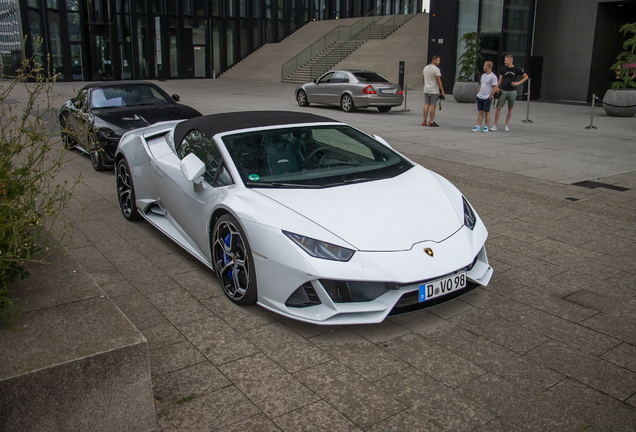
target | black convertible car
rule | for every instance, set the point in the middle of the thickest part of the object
(101, 113)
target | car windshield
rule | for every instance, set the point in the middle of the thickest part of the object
(128, 95)
(369, 77)
(311, 156)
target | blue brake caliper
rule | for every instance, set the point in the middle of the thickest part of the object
(226, 257)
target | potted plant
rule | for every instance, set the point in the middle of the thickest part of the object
(623, 91)
(465, 88)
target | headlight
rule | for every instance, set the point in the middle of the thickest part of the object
(469, 215)
(320, 249)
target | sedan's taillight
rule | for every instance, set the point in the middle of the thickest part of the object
(400, 92)
(368, 90)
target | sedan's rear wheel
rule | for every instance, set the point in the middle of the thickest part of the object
(126, 191)
(301, 98)
(233, 262)
(346, 103)
(384, 109)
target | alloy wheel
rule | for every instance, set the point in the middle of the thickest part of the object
(231, 260)
(124, 190)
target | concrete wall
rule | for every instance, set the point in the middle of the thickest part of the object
(72, 361)
(564, 37)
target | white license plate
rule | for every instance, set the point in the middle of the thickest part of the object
(442, 286)
(387, 91)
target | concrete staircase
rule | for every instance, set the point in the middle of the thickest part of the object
(265, 63)
(340, 50)
(409, 43)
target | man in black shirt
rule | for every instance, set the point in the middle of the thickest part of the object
(507, 83)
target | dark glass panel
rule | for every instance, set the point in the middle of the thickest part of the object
(56, 65)
(72, 5)
(74, 27)
(230, 42)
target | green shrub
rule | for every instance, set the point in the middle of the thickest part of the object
(31, 199)
(469, 60)
(624, 67)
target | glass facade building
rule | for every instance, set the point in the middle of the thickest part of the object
(10, 37)
(148, 39)
(506, 27)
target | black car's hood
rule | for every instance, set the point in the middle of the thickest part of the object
(134, 117)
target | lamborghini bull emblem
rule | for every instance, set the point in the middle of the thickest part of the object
(429, 252)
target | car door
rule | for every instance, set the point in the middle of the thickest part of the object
(321, 90)
(336, 88)
(188, 205)
(79, 119)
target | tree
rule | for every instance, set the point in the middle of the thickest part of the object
(469, 60)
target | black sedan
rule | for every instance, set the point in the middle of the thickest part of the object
(95, 120)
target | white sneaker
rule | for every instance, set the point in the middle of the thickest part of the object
(494, 128)
(506, 128)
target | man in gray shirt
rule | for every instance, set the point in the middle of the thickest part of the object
(432, 79)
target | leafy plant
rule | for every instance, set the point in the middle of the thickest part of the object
(31, 197)
(469, 60)
(625, 67)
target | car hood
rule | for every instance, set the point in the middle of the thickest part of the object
(134, 117)
(382, 215)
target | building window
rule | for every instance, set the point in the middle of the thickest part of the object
(468, 20)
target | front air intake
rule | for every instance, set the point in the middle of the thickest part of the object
(304, 296)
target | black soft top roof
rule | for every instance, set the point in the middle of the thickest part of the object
(116, 84)
(216, 123)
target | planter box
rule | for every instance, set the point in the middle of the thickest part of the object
(465, 92)
(620, 98)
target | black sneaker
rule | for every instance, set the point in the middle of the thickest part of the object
(433, 124)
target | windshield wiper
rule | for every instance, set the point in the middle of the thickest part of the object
(350, 181)
(283, 185)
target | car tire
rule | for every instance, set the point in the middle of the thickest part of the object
(301, 98)
(346, 103)
(97, 158)
(384, 109)
(126, 191)
(233, 262)
(67, 142)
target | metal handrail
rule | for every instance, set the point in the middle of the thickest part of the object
(340, 33)
(348, 35)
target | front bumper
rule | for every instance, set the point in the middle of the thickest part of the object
(366, 101)
(281, 268)
(108, 147)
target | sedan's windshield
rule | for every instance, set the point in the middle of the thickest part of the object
(128, 95)
(314, 156)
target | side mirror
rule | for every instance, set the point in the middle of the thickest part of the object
(176, 98)
(192, 168)
(382, 140)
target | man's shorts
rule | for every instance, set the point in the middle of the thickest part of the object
(431, 99)
(507, 96)
(483, 104)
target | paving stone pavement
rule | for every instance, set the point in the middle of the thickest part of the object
(549, 345)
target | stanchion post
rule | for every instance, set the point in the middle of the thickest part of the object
(591, 126)
(405, 95)
(527, 120)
